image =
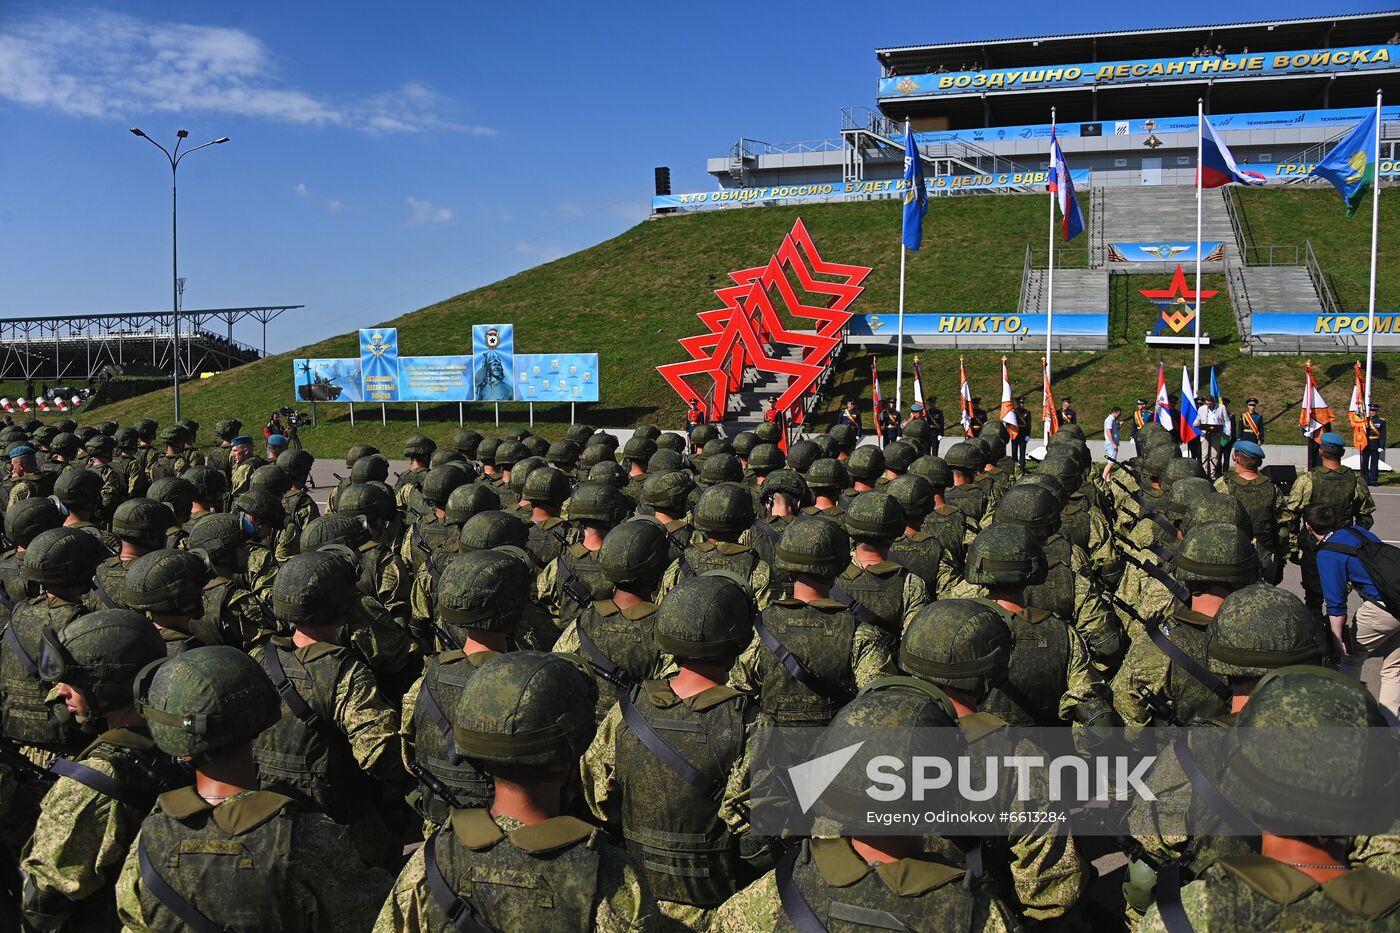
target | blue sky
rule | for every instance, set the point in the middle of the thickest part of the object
(385, 156)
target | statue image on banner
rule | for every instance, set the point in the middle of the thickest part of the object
(493, 345)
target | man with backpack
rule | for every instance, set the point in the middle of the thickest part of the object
(1351, 557)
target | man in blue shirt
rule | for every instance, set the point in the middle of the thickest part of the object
(1374, 630)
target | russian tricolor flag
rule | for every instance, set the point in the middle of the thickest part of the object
(1062, 186)
(1218, 166)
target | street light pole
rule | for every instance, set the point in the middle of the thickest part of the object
(174, 158)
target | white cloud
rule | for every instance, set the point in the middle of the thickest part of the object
(109, 65)
(426, 212)
(303, 192)
(334, 206)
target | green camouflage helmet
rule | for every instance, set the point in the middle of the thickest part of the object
(467, 501)
(598, 504)
(537, 446)
(1260, 628)
(229, 428)
(605, 440)
(721, 468)
(445, 455)
(649, 431)
(801, 455)
(142, 521)
(866, 464)
(176, 437)
(527, 709)
(263, 505)
(705, 618)
(490, 529)
(634, 555)
(563, 453)
(638, 450)
(486, 450)
(1215, 507)
(1071, 430)
(993, 447)
(917, 433)
(579, 433)
(274, 479)
(1063, 467)
(465, 442)
(1077, 452)
(439, 484)
(609, 472)
(79, 489)
(43, 435)
(371, 500)
(517, 434)
(845, 437)
(296, 464)
(1184, 493)
(176, 493)
(510, 453)
(765, 458)
(210, 485)
(65, 444)
(914, 495)
(827, 475)
(788, 482)
(743, 444)
(965, 456)
(205, 699)
(721, 446)
(827, 445)
(313, 589)
(126, 438)
(672, 441)
(99, 655)
(1004, 554)
(1304, 753)
(419, 447)
(874, 517)
(167, 582)
(545, 487)
(814, 547)
(1156, 460)
(995, 428)
(335, 528)
(961, 644)
(100, 446)
(481, 590)
(1046, 481)
(355, 451)
(935, 470)
(668, 492)
(191, 427)
(1217, 553)
(62, 557)
(768, 433)
(28, 517)
(107, 427)
(371, 468)
(219, 536)
(900, 456)
(664, 461)
(1182, 468)
(1033, 507)
(724, 508)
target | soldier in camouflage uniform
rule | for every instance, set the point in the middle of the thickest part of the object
(352, 455)
(270, 863)
(1084, 515)
(26, 479)
(260, 515)
(615, 635)
(91, 814)
(919, 550)
(298, 506)
(22, 523)
(1303, 877)
(125, 465)
(1338, 486)
(836, 653)
(723, 513)
(635, 454)
(507, 456)
(168, 587)
(244, 464)
(418, 449)
(667, 497)
(177, 495)
(79, 494)
(879, 589)
(546, 489)
(210, 493)
(1261, 499)
(966, 460)
(525, 717)
(631, 783)
(893, 880)
(571, 582)
(899, 457)
(762, 460)
(229, 606)
(429, 532)
(114, 485)
(488, 530)
(945, 521)
(480, 601)
(1158, 683)
(963, 647)
(337, 742)
(781, 498)
(220, 456)
(63, 452)
(176, 459)
(827, 479)
(139, 526)
(379, 574)
(998, 471)
(866, 468)
(373, 502)
(465, 441)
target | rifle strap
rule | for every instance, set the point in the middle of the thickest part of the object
(1218, 803)
(461, 913)
(605, 666)
(31, 670)
(1187, 663)
(662, 749)
(102, 593)
(858, 609)
(795, 906)
(171, 898)
(1169, 905)
(102, 783)
(794, 666)
(294, 701)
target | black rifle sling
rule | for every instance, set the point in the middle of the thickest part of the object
(646, 733)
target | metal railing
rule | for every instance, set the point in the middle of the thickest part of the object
(754, 148)
(1330, 305)
(1066, 257)
(1025, 282)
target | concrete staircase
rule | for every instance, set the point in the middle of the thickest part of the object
(1077, 291)
(1165, 214)
(746, 407)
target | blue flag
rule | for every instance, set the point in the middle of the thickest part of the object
(1351, 165)
(1214, 387)
(915, 194)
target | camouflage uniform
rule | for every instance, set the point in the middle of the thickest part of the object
(301, 510)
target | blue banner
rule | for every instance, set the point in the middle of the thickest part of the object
(1139, 71)
(1211, 251)
(1311, 324)
(327, 380)
(379, 364)
(436, 379)
(1280, 172)
(493, 345)
(961, 324)
(556, 377)
(888, 188)
(1271, 120)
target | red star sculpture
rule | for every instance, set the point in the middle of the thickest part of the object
(1176, 298)
(747, 328)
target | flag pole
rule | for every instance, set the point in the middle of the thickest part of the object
(1196, 340)
(899, 351)
(1050, 284)
(1375, 233)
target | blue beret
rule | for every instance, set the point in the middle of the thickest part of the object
(1249, 449)
(23, 450)
(277, 440)
(1333, 439)
(917, 406)
(241, 439)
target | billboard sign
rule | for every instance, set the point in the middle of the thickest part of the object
(1312, 324)
(327, 380)
(436, 379)
(969, 325)
(493, 345)
(556, 377)
(379, 364)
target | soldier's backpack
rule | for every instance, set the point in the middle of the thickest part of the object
(1381, 561)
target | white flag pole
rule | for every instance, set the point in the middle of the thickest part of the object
(1375, 233)
(903, 255)
(1200, 149)
(1050, 277)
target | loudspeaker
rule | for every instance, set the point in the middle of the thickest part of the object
(663, 179)
(1282, 475)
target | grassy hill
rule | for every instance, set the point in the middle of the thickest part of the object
(631, 297)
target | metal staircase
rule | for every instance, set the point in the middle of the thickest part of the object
(869, 131)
